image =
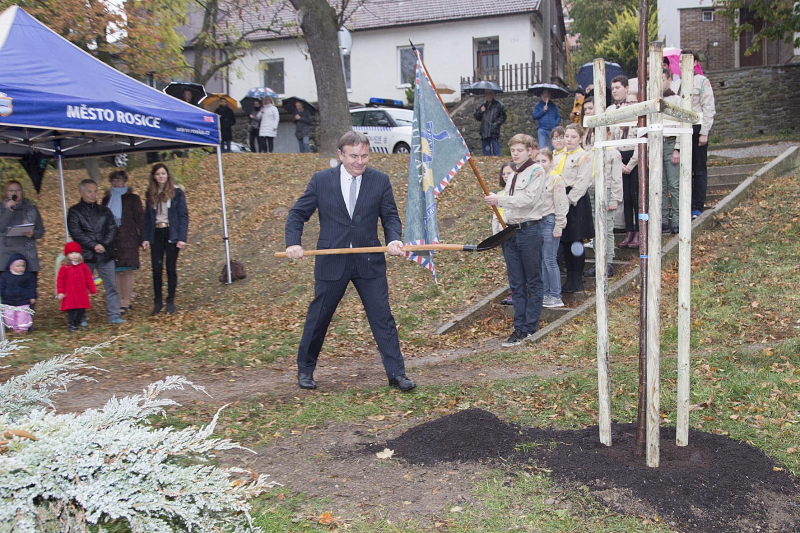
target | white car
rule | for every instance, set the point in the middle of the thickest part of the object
(388, 128)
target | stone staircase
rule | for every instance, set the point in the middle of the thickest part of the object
(721, 181)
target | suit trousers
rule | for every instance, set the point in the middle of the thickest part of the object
(374, 294)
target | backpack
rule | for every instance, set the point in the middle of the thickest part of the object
(237, 272)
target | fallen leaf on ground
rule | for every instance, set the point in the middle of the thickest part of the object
(385, 454)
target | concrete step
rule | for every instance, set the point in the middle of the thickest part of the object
(735, 169)
(722, 187)
(727, 178)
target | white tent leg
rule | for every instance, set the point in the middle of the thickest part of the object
(63, 196)
(224, 214)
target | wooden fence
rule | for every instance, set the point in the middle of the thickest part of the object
(510, 77)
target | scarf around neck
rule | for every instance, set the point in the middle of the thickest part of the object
(115, 203)
(560, 167)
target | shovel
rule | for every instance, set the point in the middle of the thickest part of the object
(487, 244)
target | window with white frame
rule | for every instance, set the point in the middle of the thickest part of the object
(708, 15)
(407, 65)
(346, 60)
(273, 74)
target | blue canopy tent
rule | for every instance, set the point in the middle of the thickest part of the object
(57, 99)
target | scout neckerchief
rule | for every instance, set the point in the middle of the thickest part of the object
(527, 164)
(560, 167)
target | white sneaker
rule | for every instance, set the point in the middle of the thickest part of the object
(552, 302)
(589, 244)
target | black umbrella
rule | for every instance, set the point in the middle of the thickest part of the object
(585, 75)
(555, 90)
(288, 105)
(176, 89)
(35, 163)
(480, 87)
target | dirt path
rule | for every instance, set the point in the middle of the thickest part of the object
(231, 385)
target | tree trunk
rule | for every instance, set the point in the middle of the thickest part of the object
(93, 169)
(320, 27)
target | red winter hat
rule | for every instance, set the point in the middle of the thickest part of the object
(72, 247)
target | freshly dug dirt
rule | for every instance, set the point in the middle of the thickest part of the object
(715, 484)
(469, 435)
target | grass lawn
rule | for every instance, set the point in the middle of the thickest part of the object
(745, 344)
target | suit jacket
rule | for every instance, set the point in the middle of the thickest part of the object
(336, 230)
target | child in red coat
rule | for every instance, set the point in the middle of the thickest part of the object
(74, 284)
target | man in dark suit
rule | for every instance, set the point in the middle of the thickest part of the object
(350, 199)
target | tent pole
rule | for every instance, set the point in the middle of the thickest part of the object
(224, 214)
(63, 196)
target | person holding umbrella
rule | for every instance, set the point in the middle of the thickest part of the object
(254, 126)
(548, 117)
(269, 119)
(226, 121)
(303, 122)
(491, 114)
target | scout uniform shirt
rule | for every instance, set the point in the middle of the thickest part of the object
(612, 171)
(524, 201)
(555, 200)
(575, 167)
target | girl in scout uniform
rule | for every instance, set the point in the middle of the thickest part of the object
(554, 219)
(575, 168)
(613, 175)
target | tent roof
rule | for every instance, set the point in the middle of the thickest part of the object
(53, 92)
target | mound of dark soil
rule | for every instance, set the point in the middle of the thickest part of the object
(469, 435)
(714, 485)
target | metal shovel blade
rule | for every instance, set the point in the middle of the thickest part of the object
(497, 239)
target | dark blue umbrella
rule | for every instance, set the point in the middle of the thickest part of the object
(585, 75)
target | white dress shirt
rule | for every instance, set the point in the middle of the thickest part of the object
(344, 180)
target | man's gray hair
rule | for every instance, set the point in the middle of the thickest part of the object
(88, 181)
(352, 138)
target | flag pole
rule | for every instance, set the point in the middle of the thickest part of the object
(471, 162)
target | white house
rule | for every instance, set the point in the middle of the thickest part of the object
(458, 38)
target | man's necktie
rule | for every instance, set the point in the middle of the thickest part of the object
(353, 194)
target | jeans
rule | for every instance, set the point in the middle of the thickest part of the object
(551, 277)
(304, 146)
(630, 194)
(544, 139)
(699, 170)
(490, 146)
(158, 248)
(670, 183)
(108, 273)
(609, 225)
(523, 255)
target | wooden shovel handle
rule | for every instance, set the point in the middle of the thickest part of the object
(381, 249)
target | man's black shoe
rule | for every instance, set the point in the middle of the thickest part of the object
(589, 273)
(306, 381)
(402, 382)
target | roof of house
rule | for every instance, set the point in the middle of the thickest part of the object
(374, 14)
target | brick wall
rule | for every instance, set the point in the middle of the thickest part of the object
(696, 35)
(756, 100)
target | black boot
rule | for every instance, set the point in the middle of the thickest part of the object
(157, 307)
(570, 285)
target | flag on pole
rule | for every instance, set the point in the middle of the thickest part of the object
(437, 152)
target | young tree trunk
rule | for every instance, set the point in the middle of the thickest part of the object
(320, 26)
